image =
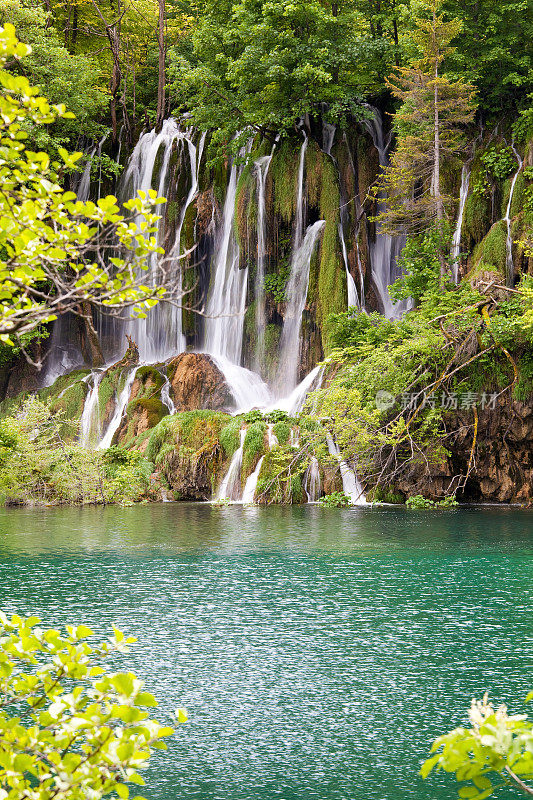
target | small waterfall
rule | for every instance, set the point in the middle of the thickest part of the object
(297, 286)
(456, 241)
(328, 137)
(120, 409)
(350, 484)
(246, 386)
(353, 300)
(509, 264)
(312, 482)
(89, 423)
(84, 185)
(261, 171)
(294, 403)
(300, 207)
(385, 249)
(230, 488)
(166, 398)
(227, 296)
(251, 484)
(272, 438)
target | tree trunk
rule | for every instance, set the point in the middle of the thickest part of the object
(161, 76)
(439, 205)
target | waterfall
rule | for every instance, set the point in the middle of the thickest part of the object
(230, 488)
(272, 438)
(350, 483)
(296, 291)
(261, 171)
(300, 207)
(294, 403)
(328, 136)
(312, 482)
(89, 418)
(227, 296)
(385, 249)
(456, 241)
(159, 336)
(84, 185)
(251, 483)
(120, 408)
(509, 265)
(165, 396)
(247, 388)
(353, 300)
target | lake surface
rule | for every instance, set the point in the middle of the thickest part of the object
(318, 651)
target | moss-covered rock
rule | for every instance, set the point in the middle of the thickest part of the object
(186, 450)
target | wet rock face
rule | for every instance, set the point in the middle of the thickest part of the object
(502, 465)
(197, 383)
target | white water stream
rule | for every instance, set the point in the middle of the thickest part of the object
(509, 264)
(120, 410)
(296, 292)
(261, 171)
(350, 483)
(456, 240)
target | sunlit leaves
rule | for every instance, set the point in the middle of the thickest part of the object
(68, 728)
(55, 251)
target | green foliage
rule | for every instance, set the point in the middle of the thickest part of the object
(420, 262)
(335, 500)
(499, 162)
(70, 273)
(418, 501)
(40, 462)
(282, 431)
(262, 66)
(69, 726)
(230, 436)
(275, 284)
(254, 447)
(495, 753)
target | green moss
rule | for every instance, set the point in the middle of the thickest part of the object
(284, 170)
(187, 428)
(254, 447)
(230, 437)
(282, 431)
(519, 196)
(477, 212)
(491, 252)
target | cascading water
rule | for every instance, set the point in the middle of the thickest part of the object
(166, 398)
(251, 483)
(230, 488)
(353, 300)
(120, 409)
(261, 171)
(296, 292)
(509, 264)
(294, 403)
(312, 482)
(89, 423)
(385, 250)
(227, 296)
(160, 335)
(300, 206)
(350, 483)
(456, 241)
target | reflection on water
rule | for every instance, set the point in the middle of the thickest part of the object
(317, 650)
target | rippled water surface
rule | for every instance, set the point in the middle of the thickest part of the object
(318, 651)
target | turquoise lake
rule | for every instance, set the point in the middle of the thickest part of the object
(318, 651)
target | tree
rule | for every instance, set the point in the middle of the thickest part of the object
(62, 77)
(69, 728)
(262, 66)
(494, 753)
(58, 254)
(430, 126)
